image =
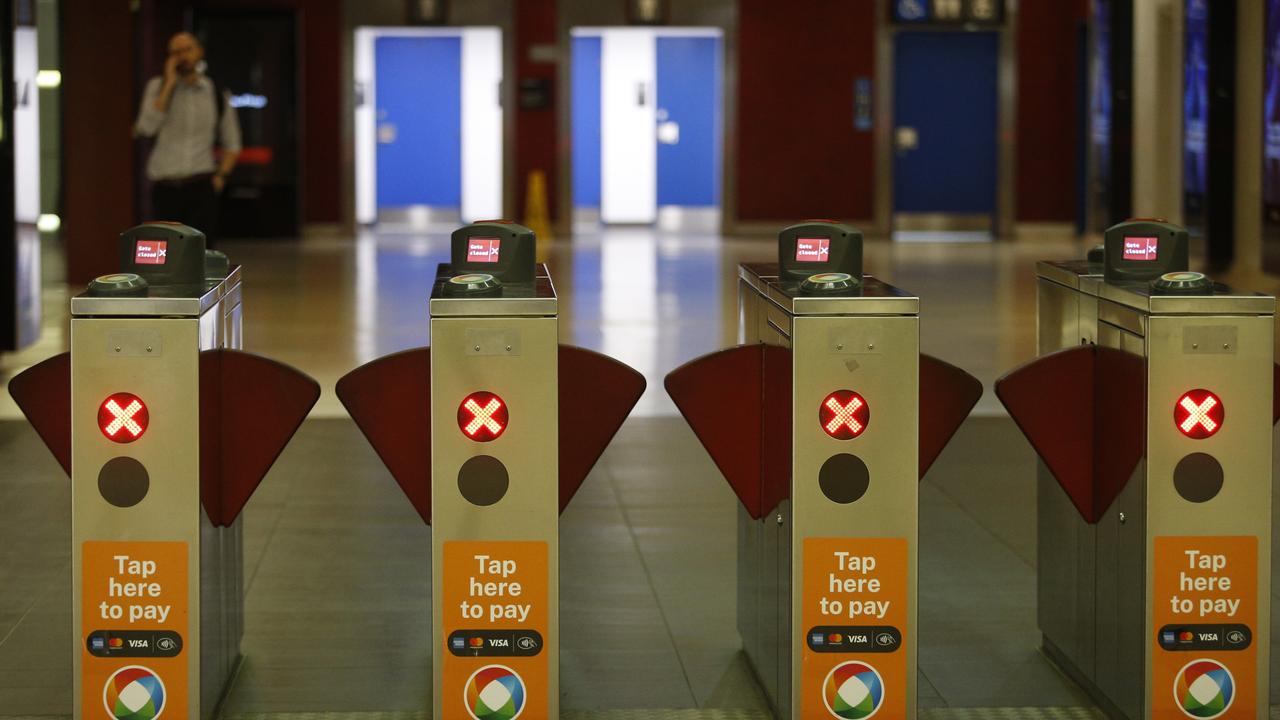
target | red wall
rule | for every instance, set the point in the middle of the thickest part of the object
(98, 167)
(322, 141)
(536, 130)
(798, 153)
(1048, 115)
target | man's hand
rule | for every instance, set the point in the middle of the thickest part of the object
(219, 182)
(163, 97)
(171, 71)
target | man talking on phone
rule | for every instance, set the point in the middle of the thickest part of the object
(188, 114)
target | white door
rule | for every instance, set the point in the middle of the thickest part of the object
(629, 155)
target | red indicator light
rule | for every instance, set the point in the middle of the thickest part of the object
(482, 416)
(844, 414)
(123, 417)
(1198, 414)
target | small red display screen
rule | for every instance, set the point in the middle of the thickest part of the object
(483, 250)
(151, 252)
(1141, 248)
(814, 250)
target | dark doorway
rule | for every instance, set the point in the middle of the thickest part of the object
(253, 54)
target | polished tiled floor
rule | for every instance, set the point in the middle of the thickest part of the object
(337, 563)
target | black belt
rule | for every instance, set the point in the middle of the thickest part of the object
(182, 182)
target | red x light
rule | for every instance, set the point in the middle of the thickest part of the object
(482, 416)
(1198, 414)
(123, 417)
(844, 414)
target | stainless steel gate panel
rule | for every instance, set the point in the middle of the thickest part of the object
(110, 341)
(1099, 585)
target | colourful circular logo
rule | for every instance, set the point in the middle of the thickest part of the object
(833, 277)
(494, 692)
(471, 278)
(134, 693)
(853, 691)
(1204, 688)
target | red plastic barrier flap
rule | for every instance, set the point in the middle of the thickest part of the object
(1120, 423)
(947, 396)
(1051, 401)
(390, 401)
(1082, 409)
(775, 439)
(596, 394)
(43, 393)
(724, 396)
(250, 407)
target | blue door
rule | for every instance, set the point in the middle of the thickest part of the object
(945, 99)
(419, 121)
(688, 86)
(585, 67)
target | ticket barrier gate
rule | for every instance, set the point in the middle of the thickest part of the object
(490, 432)
(166, 428)
(823, 422)
(1151, 406)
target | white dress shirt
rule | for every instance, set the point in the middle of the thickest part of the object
(184, 135)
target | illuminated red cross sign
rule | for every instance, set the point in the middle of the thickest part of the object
(1198, 414)
(482, 416)
(844, 414)
(123, 417)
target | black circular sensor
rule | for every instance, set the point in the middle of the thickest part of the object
(844, 478)
(118, 285)
(829, 283)
(483, 480)
(472, 284)
(1182, 283)
(1198, 477)
(123, 482)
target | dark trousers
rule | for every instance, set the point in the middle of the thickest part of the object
(190, 201)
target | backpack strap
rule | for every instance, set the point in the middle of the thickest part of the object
(220, 109)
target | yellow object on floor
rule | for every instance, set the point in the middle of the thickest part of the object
(536, 217)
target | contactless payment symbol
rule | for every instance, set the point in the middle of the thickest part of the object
(1204, 689)
(494, 692)
(853, 690)
(134, 693)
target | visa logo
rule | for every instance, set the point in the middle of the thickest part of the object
(859, 639)
(138, 643)
(499, 642)
(1208, 636)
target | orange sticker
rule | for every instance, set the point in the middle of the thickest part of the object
(1204, 654)
(134, 625)
(853, 661)
(495, 630)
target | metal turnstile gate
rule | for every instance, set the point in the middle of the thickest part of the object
(1151, 406)
(489, 433)
(147, 414)
(823, 422)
